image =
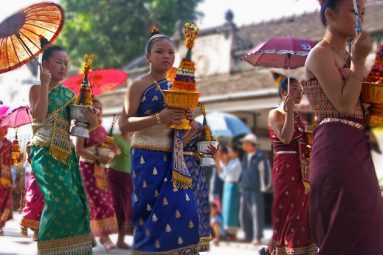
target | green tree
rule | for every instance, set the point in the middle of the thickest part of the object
(116, 30)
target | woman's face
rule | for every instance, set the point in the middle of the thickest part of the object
(57, 64)
(342, 19)
(162, 55)
(296, 91)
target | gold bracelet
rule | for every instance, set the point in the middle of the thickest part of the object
(158, 118)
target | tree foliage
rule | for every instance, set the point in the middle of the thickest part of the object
(116, 30)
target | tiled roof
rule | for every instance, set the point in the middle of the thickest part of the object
(307, 25)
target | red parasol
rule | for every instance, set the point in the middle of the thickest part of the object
(101, 81)
(22, 34)
(16, 117)
(280, 52)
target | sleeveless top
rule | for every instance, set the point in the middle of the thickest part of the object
(152, 101)
(53, 132)
(299, 129)
(321, 105)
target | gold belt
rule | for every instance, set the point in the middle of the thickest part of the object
(285, 152)
(192, 153)
(343, 121)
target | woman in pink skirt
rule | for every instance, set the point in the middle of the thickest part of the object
(103, 220)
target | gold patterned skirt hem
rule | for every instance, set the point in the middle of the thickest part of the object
(204, 244)
(307, 250)
(66, 246)
(190, 250)
(28, 223)
(151, 147)
(104, 227)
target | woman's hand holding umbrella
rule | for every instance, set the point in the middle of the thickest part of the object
(45, 76)
(289, 103)
(361, 48)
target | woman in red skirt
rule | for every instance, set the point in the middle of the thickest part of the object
(290, 175)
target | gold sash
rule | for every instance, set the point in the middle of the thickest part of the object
(157, 138)
(53, 132)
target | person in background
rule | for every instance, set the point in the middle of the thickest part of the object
(93, 167)
(121, 186)
(216, 189)
(290, 175)
(229, 170)
(199, 186)
(6, 211)
(34, 205)
(216, 223)
(255, 179)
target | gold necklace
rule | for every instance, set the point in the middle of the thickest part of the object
(54, 87)
(157, 85)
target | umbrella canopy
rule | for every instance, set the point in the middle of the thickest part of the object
(3, 110)
(16, 117)
(225, 124)
(101, 81)
(280, 52)
(22, 33)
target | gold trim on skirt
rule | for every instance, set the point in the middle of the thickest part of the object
(66, 246)
(28, 223)
(104, 227)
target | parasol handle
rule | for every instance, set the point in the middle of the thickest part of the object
(26, 48)
(288, 81)
(30, 53)
(358, 20)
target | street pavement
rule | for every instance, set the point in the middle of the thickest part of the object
(12, 243)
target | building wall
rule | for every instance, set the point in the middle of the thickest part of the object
(211, 54)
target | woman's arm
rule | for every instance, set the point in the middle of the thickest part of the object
(343, 94)
(38, 96)
(282, 126)
(128, 122)
(82, 152)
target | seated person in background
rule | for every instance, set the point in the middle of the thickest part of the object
(216, 224)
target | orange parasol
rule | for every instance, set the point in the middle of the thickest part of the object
(22, 33)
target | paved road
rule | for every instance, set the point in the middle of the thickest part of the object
(12, 243)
